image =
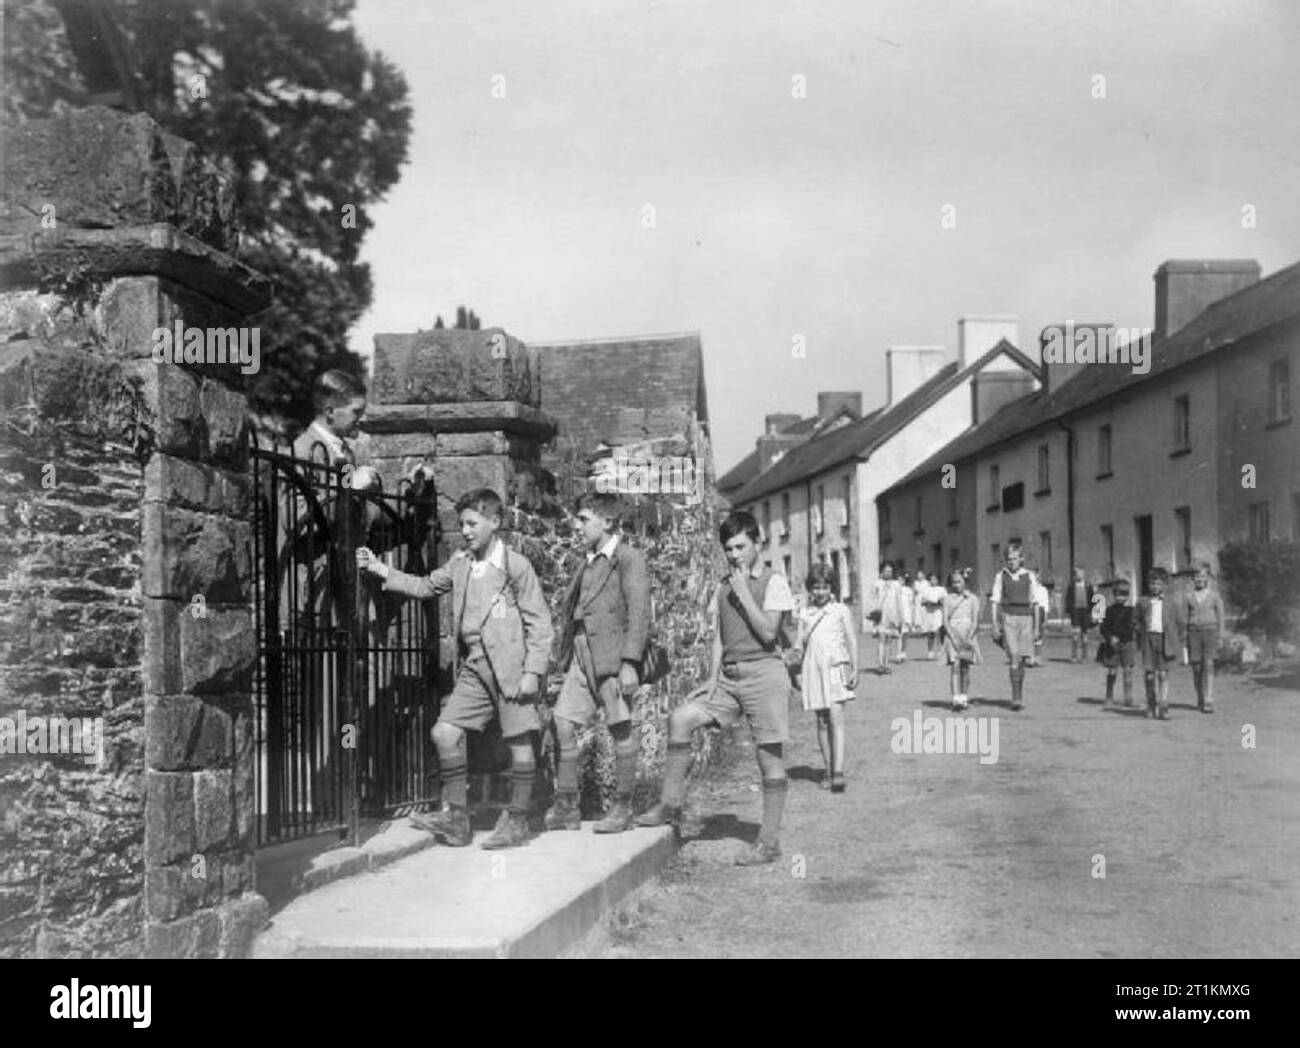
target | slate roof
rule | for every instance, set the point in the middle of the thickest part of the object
(858, 440)
(1230, 319)
(747, 468)
(621, 390)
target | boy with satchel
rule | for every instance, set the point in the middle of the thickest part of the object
(605, 630)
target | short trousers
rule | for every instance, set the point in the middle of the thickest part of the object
(759, 691)
(1122, 657)
(1153, 651)
(475, 700)
(1018, 636)
(578, 702)
(1081, 619)
(1202, 644)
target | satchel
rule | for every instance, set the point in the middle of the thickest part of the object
(654, 663)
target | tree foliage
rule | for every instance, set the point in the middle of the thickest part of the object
(1263, 580)
(311, 125)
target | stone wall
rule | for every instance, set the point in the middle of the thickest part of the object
(125, 552)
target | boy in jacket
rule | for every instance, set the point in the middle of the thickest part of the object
(503, 634)
(605, 627)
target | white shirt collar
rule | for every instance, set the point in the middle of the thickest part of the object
(496, 557)
(606, 551)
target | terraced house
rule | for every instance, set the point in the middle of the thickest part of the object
(1116, 471)
(817, 502)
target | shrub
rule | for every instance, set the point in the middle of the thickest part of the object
(1262, 580)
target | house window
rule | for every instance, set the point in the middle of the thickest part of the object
(1182, 423)
(1108, 549)
(1045, 551)
(1295, 517)
(1183, 520)
(919, 523)
(936, 551)
(1279, 385)
(785, 514)
(920, 568)
(954, 513)
(846, 501)
(785, 563)
(1044, 469)
(885, 529)
(995, 488)
(997, 559)
(1013, 496)
(767, 521)
(954, 555)
(846, 579)
(821, 509)
(1103, 452)
(1259, 529)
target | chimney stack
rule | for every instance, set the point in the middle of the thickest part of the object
(1186, 286)
(830, 403)
(1060, 347)
(977, 334)
(773, 424)
(907, 368)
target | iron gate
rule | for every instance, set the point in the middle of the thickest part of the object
(344, 694)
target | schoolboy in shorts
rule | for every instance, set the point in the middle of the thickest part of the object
(503, 633)
(751, 610)
(1014, 600)
(604, 628)
(1160, 626)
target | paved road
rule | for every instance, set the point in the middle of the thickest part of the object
(940, 855)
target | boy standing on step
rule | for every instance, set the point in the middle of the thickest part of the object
(503, 635)
(751, 609)
(1014, 600)
(604, 631)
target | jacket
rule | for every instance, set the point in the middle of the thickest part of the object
(517, 640)
(615, 617)
(1173, 620)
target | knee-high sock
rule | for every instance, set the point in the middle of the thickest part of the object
(625, 754)
(522, 773)
(455, 777)
(566, 768)
(1110, 686)
(676, 765)
(773, 808)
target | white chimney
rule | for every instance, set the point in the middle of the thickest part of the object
(907, 368)
(977, 334)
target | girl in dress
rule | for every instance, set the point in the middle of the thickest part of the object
(829, 671)
(929, 610)
(907, 602)
(961, 616)
(885, 610)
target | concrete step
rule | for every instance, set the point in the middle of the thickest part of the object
(534, 901)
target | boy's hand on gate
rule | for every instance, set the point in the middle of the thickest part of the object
(628, 680)
(367, 561)
(528, 685)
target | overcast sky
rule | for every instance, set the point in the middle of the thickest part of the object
(777, 216)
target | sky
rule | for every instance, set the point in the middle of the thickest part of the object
(650, 168)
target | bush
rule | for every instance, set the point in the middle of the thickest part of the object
(1262, 580)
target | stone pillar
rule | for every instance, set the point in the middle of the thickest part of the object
(126, 547)
(464, 406)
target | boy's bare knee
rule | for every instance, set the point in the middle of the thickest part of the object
(447, 736)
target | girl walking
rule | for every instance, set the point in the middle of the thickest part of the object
(829, 671)
(961, 616)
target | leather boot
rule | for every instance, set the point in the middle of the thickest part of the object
(451, 826)
(618, 819)
(564, 814)
(511, 830)
(659, 815)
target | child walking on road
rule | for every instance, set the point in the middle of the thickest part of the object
(829, 672)
(1204, 628)
(1118, 649)
(961, 616)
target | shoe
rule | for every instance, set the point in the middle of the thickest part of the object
(1150, 712)
(659, 815)
(617, 820)
(1163, 712)
(1017, 705)
(760, 853)
(451, 826)
(824, 783)
(837, 784)
(511, 830)
(564, 813)
(1208, 708)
